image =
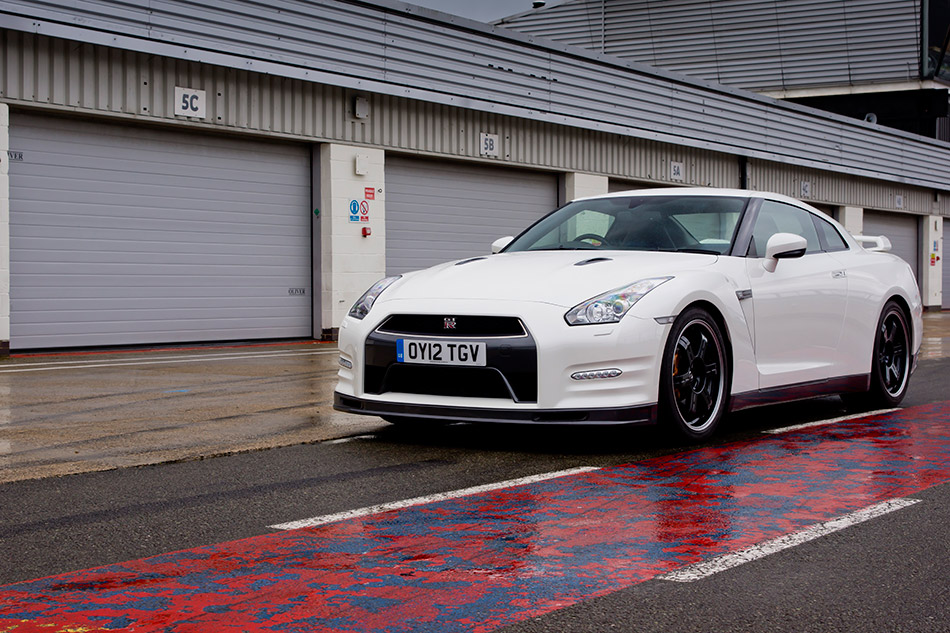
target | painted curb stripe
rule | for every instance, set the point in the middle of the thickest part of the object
(749, 554)
(201, 358)
(442, 496)
(844, 418)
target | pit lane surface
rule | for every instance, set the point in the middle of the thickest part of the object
(594, 542)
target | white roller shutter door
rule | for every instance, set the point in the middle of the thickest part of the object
(439, 211)
(901, 230)
(130, 235)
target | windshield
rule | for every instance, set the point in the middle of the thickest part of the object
(705, 224)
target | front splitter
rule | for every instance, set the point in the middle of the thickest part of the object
(645, 414)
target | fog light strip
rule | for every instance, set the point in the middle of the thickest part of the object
(596, 374)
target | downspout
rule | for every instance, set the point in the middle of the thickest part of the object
(943, 55)
(603, 27)
(925, 72)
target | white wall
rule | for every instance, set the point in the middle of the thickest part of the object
(931, 265)
(4, 229)
(350, 263)
(578, 185)
(852, 218)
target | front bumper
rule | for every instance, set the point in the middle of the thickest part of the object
(629, 415)
(534, 371)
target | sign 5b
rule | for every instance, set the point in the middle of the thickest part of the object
(189, 102)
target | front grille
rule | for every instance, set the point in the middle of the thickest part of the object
(464, 326)
(462, 382)
(511, 369)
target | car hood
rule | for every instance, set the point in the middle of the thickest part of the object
(563, 278)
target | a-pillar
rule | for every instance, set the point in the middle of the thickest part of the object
(931, 266)
(352, 229)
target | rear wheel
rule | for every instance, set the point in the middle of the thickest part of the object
(890, 368)
(694, 376)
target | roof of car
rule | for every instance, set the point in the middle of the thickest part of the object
(699, 191)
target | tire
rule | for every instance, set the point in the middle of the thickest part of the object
(694, 377)
(891, 362)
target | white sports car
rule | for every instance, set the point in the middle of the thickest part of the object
(668, 305)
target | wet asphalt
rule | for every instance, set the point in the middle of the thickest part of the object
(73, 412)
(165, 450)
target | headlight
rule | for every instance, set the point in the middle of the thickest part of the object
(362, 307)
(611, 306)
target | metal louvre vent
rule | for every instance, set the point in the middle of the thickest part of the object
(463, 382)
(453, 326)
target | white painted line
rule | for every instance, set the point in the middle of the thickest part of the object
(722, 563)
(344, 440)
(33, 367)
(808, 425)
(128, 357)
(442, 496)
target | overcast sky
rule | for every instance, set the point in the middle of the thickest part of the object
(481, 10)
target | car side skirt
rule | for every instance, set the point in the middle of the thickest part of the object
(645, 414)
(800, 391)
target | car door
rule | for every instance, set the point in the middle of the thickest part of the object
(799, 307)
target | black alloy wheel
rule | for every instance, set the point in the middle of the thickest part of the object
(890, 373)
(694, 376)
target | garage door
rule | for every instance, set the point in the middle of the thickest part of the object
(437, 211)
(901, 230)
(123, 235)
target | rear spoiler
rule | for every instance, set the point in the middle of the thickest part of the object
(880, 243)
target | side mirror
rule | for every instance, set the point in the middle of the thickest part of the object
(783, 246)
(500, 243)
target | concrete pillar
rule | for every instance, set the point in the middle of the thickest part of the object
(852, 218)
(4, 230)
(931, 266)
(352, 201)
(578, 185)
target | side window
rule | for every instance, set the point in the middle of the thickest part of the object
(778, 217)
(831, 240)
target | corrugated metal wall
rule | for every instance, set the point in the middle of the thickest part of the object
(80, 77)
(840, 190)
(752, 44)
(388, 51)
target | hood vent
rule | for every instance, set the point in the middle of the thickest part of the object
(592, 261)
(466, 261)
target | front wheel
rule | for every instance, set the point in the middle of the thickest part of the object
(694, 376)
(891, 364)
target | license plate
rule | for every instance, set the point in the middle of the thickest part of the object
(440, 352)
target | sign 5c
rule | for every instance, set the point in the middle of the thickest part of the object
(190, 103)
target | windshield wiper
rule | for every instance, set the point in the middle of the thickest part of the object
(561, 247)
(701, 251)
